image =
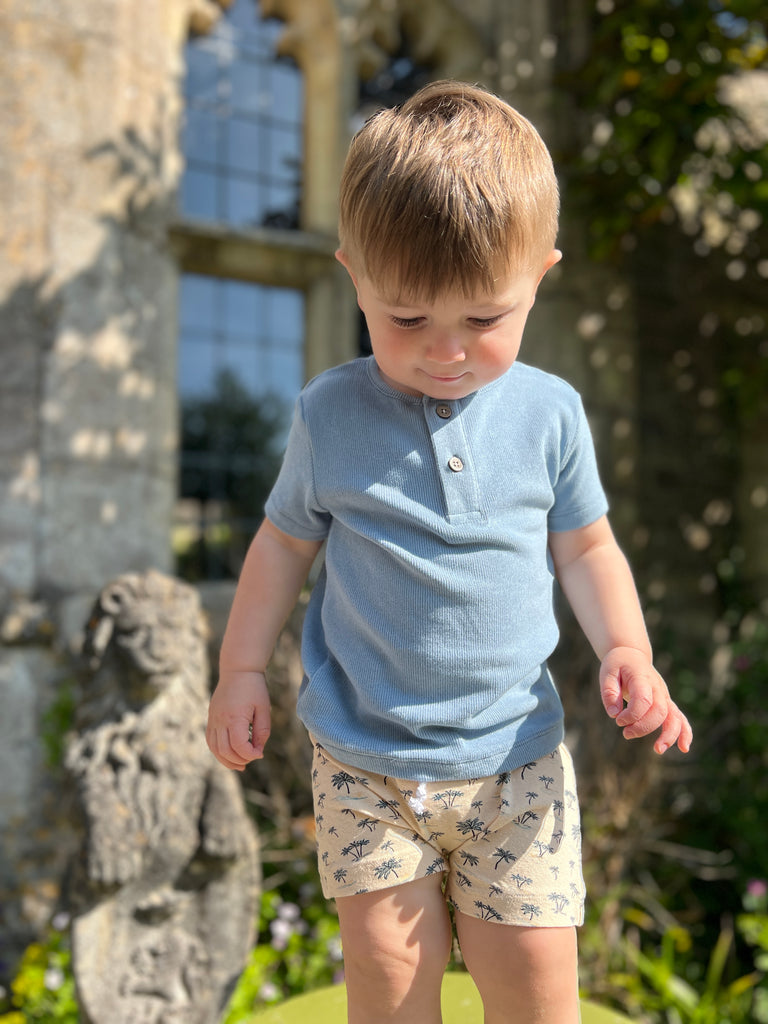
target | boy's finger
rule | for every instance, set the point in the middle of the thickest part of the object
(639, 704)
(239, 741)
(222, 755)
(650, 722)
(676, 730)
(610, 691)
(261, 726)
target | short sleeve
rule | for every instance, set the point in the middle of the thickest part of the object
(292, 504)
(579, 495)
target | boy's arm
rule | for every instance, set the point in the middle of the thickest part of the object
(274, 572)
(597, 581)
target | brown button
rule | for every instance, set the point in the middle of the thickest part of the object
(443, 411)
(455, 464)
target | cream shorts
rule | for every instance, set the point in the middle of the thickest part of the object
(508, 847)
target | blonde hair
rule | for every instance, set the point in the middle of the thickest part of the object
(452, 190)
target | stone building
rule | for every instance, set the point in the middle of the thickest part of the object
(115, 260)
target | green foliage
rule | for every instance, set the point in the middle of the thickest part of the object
(298, 950)
(728, 795)
(43, 989)
(57, 721)
(667, 982)
(666, 139)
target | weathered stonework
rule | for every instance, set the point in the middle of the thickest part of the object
(164, 892)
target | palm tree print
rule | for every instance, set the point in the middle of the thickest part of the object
(546, 781)
(523, 819)
(541, 847)
(462, 880)
(437, 865)
(343, 780)
(558, 807)
(560, 901)
(356, 849)
(521, 881)
(448, 798)
(389, 867)
(531, 910)
(321, 799)
(422, 816)
(368, 823)
(477, 805)
(319, 822)
(531, 797)
(527, 767)
(503, 778)
(503, 855)
(473, 825)
(494, 890)
(389, 805)
(488, 913)
(340, 875)
(469, 859)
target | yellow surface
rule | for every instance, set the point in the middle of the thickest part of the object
(461, 1005)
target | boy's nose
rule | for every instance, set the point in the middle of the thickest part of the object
(447, 348)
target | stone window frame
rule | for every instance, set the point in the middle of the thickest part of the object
(303, 258)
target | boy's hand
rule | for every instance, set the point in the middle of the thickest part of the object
(627, 674)
(238, 718)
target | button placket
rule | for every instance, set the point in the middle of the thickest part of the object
(453, 456)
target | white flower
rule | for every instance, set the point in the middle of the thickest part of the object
(53, 978)
(288, 912)
(281, 933)
(269, 992)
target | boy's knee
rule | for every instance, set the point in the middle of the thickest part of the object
(391, 966)
(389, 939)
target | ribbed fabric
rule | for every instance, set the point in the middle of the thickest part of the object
(427, 634)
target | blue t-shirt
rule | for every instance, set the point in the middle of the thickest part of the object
(427, 634)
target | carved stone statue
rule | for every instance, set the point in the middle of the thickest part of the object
(164, 894)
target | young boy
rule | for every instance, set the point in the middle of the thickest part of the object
(451, 484)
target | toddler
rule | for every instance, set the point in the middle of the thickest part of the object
(452, 485)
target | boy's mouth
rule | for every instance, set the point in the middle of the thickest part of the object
(446, 380)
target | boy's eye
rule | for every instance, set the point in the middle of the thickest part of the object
(406, 322)
(485, 321)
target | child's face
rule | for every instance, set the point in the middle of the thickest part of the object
(452, 346)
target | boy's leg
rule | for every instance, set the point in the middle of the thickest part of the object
(525, 975)
(396, 945)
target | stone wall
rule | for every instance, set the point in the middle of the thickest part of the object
(88, 167)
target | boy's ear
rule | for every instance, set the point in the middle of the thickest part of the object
(343, 259)
(554, 257)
